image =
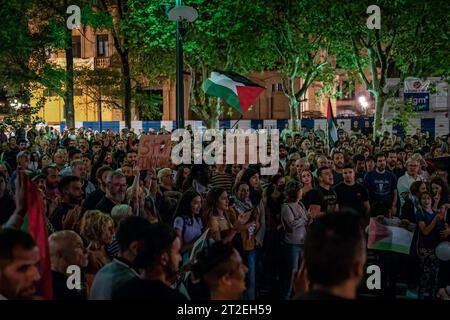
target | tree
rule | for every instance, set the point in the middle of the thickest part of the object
(114, 14)
(297, 51)
(50, 17)
(100, 84)
(218, 39)
(19, 111)
(24, 65)
(409, 40)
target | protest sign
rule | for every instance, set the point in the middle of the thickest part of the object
(154, 151)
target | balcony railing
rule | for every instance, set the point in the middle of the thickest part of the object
(102, 62)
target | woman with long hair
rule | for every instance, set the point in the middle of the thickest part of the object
(291, 169)
(273, 197)
(411, 204)
(188, 223)
(182, 173)
(308, 183)
(218, 216)
(97, 229)
(439, 191)
(294, 219)
(430, 224)
(251, 177)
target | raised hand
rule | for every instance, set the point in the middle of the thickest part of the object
(446, 232)
(71, 218)
(136, 171)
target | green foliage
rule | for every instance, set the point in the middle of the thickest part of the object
(295, 38)
(101, 83)
(402, 112)
(410, 40)
(26, 114)
(149, 105)
(95, 18)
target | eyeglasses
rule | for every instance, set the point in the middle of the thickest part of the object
(119, 185)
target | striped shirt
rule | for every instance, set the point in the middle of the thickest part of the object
(113, 248)
(222, 180)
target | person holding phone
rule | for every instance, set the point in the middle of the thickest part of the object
(430, 224)
(248, 222)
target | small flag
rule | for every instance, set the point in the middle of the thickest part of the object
(331, 126)
(238, 91)
(36, 226)
(383, 236)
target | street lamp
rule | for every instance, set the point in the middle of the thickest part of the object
(179, 14)
(364, 104)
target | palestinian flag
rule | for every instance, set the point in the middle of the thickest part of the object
(35, 224)
(238, 91)
(389, 238)
(331, 126)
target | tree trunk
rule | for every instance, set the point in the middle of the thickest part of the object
(211, 123)
(68, 99)
(214, 115)
(126, 88)
(293, 106)
(380, 99)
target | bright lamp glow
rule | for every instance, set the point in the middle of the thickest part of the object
(363, 102)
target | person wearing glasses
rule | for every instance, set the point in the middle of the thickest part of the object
(116, 188)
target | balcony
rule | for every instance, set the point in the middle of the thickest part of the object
(103, 62)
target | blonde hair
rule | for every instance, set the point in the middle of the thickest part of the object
(119, 212)
(94, 225)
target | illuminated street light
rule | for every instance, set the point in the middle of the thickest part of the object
(364, 104)
(179, 14)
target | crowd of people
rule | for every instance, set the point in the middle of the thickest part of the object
(300, 233)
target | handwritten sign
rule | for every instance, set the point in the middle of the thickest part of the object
(154, 151)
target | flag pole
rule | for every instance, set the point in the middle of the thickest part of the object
(327, 138)
(240, 118)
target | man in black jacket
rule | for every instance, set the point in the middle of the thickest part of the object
(116, 187)
(159, 258)
(67, 249)
(71, 197)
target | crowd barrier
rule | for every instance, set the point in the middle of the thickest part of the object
(438, 126)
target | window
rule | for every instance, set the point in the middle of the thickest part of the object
(76, 46)
(102, 45)
(277, 87)
(347, 89)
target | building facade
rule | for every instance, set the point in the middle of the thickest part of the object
(95, 49)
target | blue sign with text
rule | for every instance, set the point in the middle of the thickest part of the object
(420, 100)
